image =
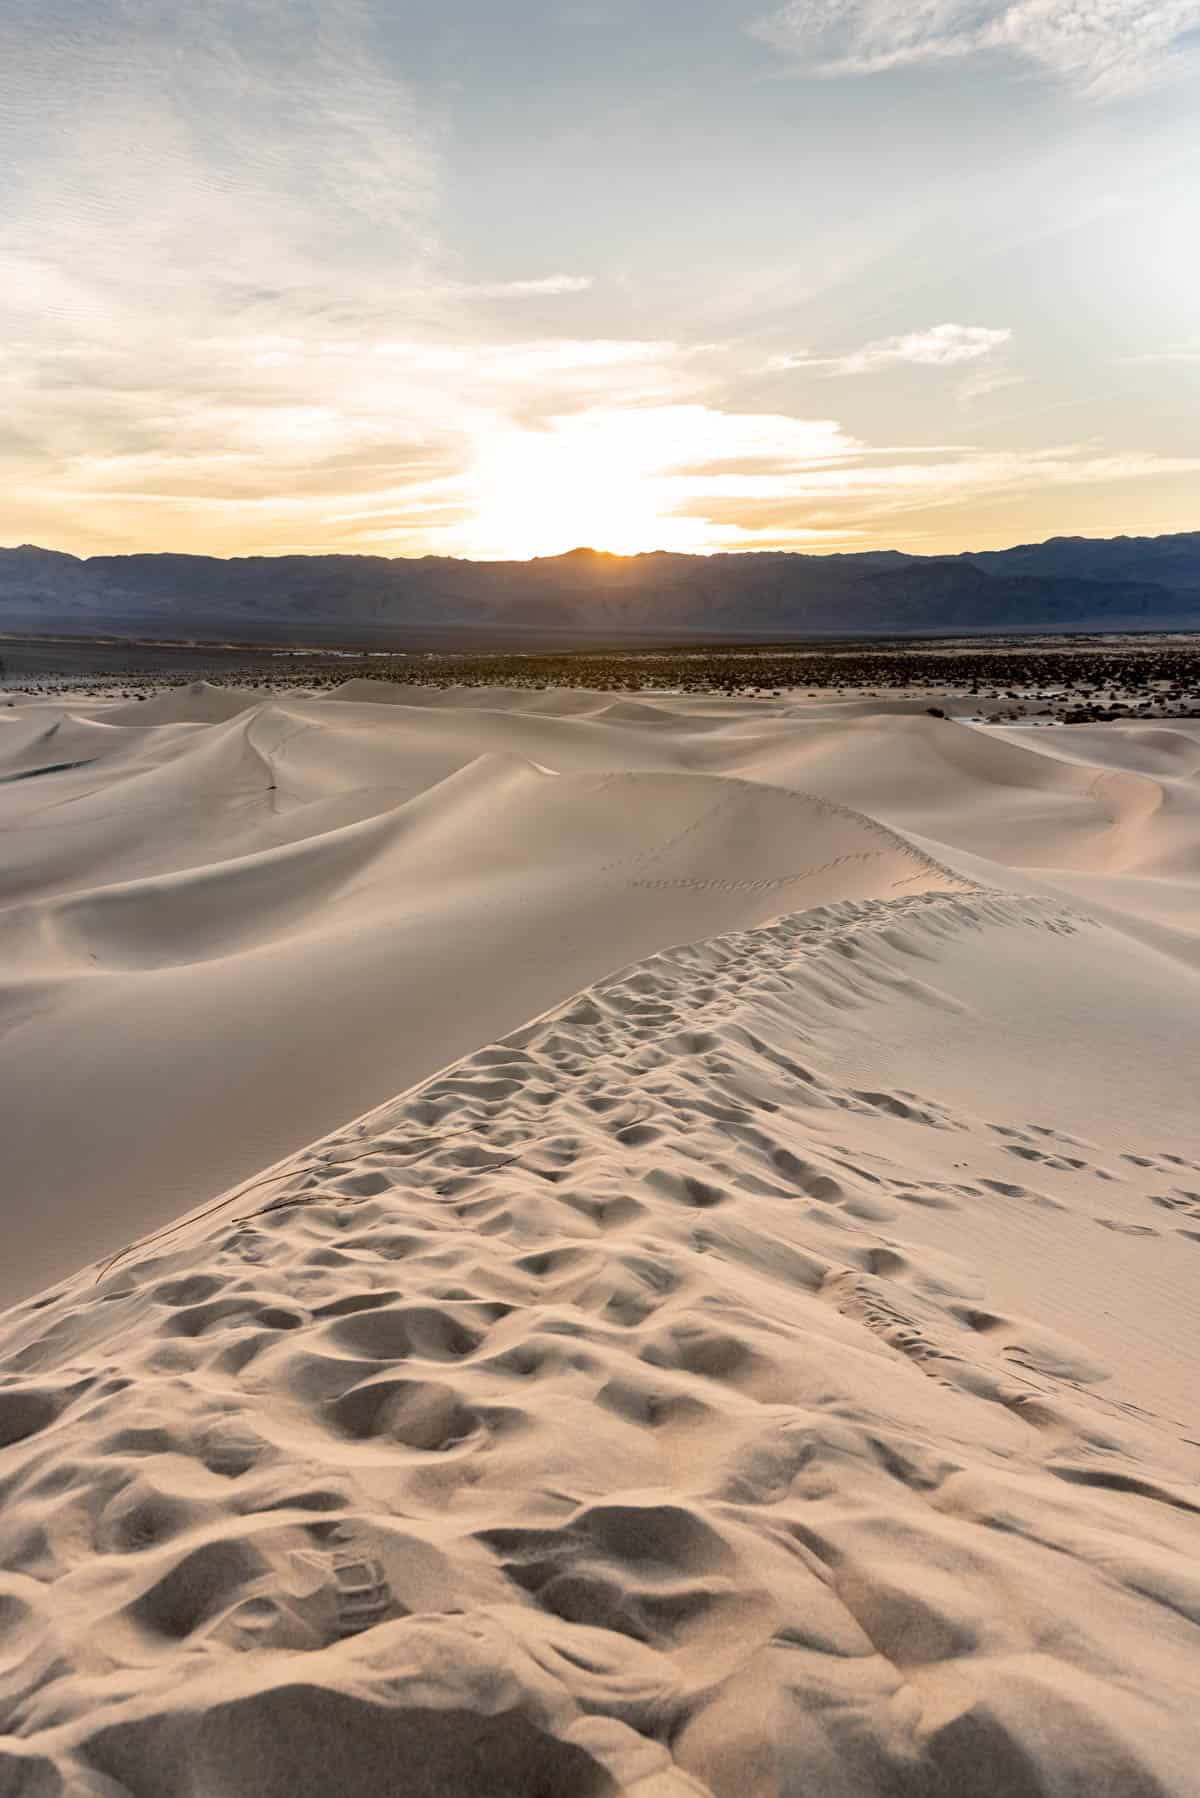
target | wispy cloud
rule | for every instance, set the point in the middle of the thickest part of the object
(225, 288)
(980, 384)
(1101, 47)
(941, 346)
(541, 287)
(170, 166)
(893, 495)
(1187, 354)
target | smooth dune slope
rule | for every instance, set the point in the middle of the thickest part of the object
(744, 1344)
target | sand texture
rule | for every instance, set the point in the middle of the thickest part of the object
(754, 1354)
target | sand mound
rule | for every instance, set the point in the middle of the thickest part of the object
(634, 711)
(198, 703)
(738, 1380)
(556, 701)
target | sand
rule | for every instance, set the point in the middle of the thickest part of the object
(745, 1342)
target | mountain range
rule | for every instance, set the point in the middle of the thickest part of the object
(1067, 584)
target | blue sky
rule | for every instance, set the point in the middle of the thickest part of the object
(501, 279)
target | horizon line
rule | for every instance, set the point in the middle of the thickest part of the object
(605, 554)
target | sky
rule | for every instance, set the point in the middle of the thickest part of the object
(499, 278)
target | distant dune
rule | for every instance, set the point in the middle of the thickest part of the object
(732, 1331)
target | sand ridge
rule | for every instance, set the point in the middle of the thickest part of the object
(584, 1420)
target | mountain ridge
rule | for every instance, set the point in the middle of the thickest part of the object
(1063, 583)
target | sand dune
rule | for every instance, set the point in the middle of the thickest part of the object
(376, 888)
(755, 1352)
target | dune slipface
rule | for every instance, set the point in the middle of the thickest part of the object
(755, 1352)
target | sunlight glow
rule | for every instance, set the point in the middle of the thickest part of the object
(539, 493)
(621, 480)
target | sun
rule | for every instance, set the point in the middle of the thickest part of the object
(593, 479)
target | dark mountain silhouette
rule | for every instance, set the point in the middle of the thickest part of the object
(1066, 584)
